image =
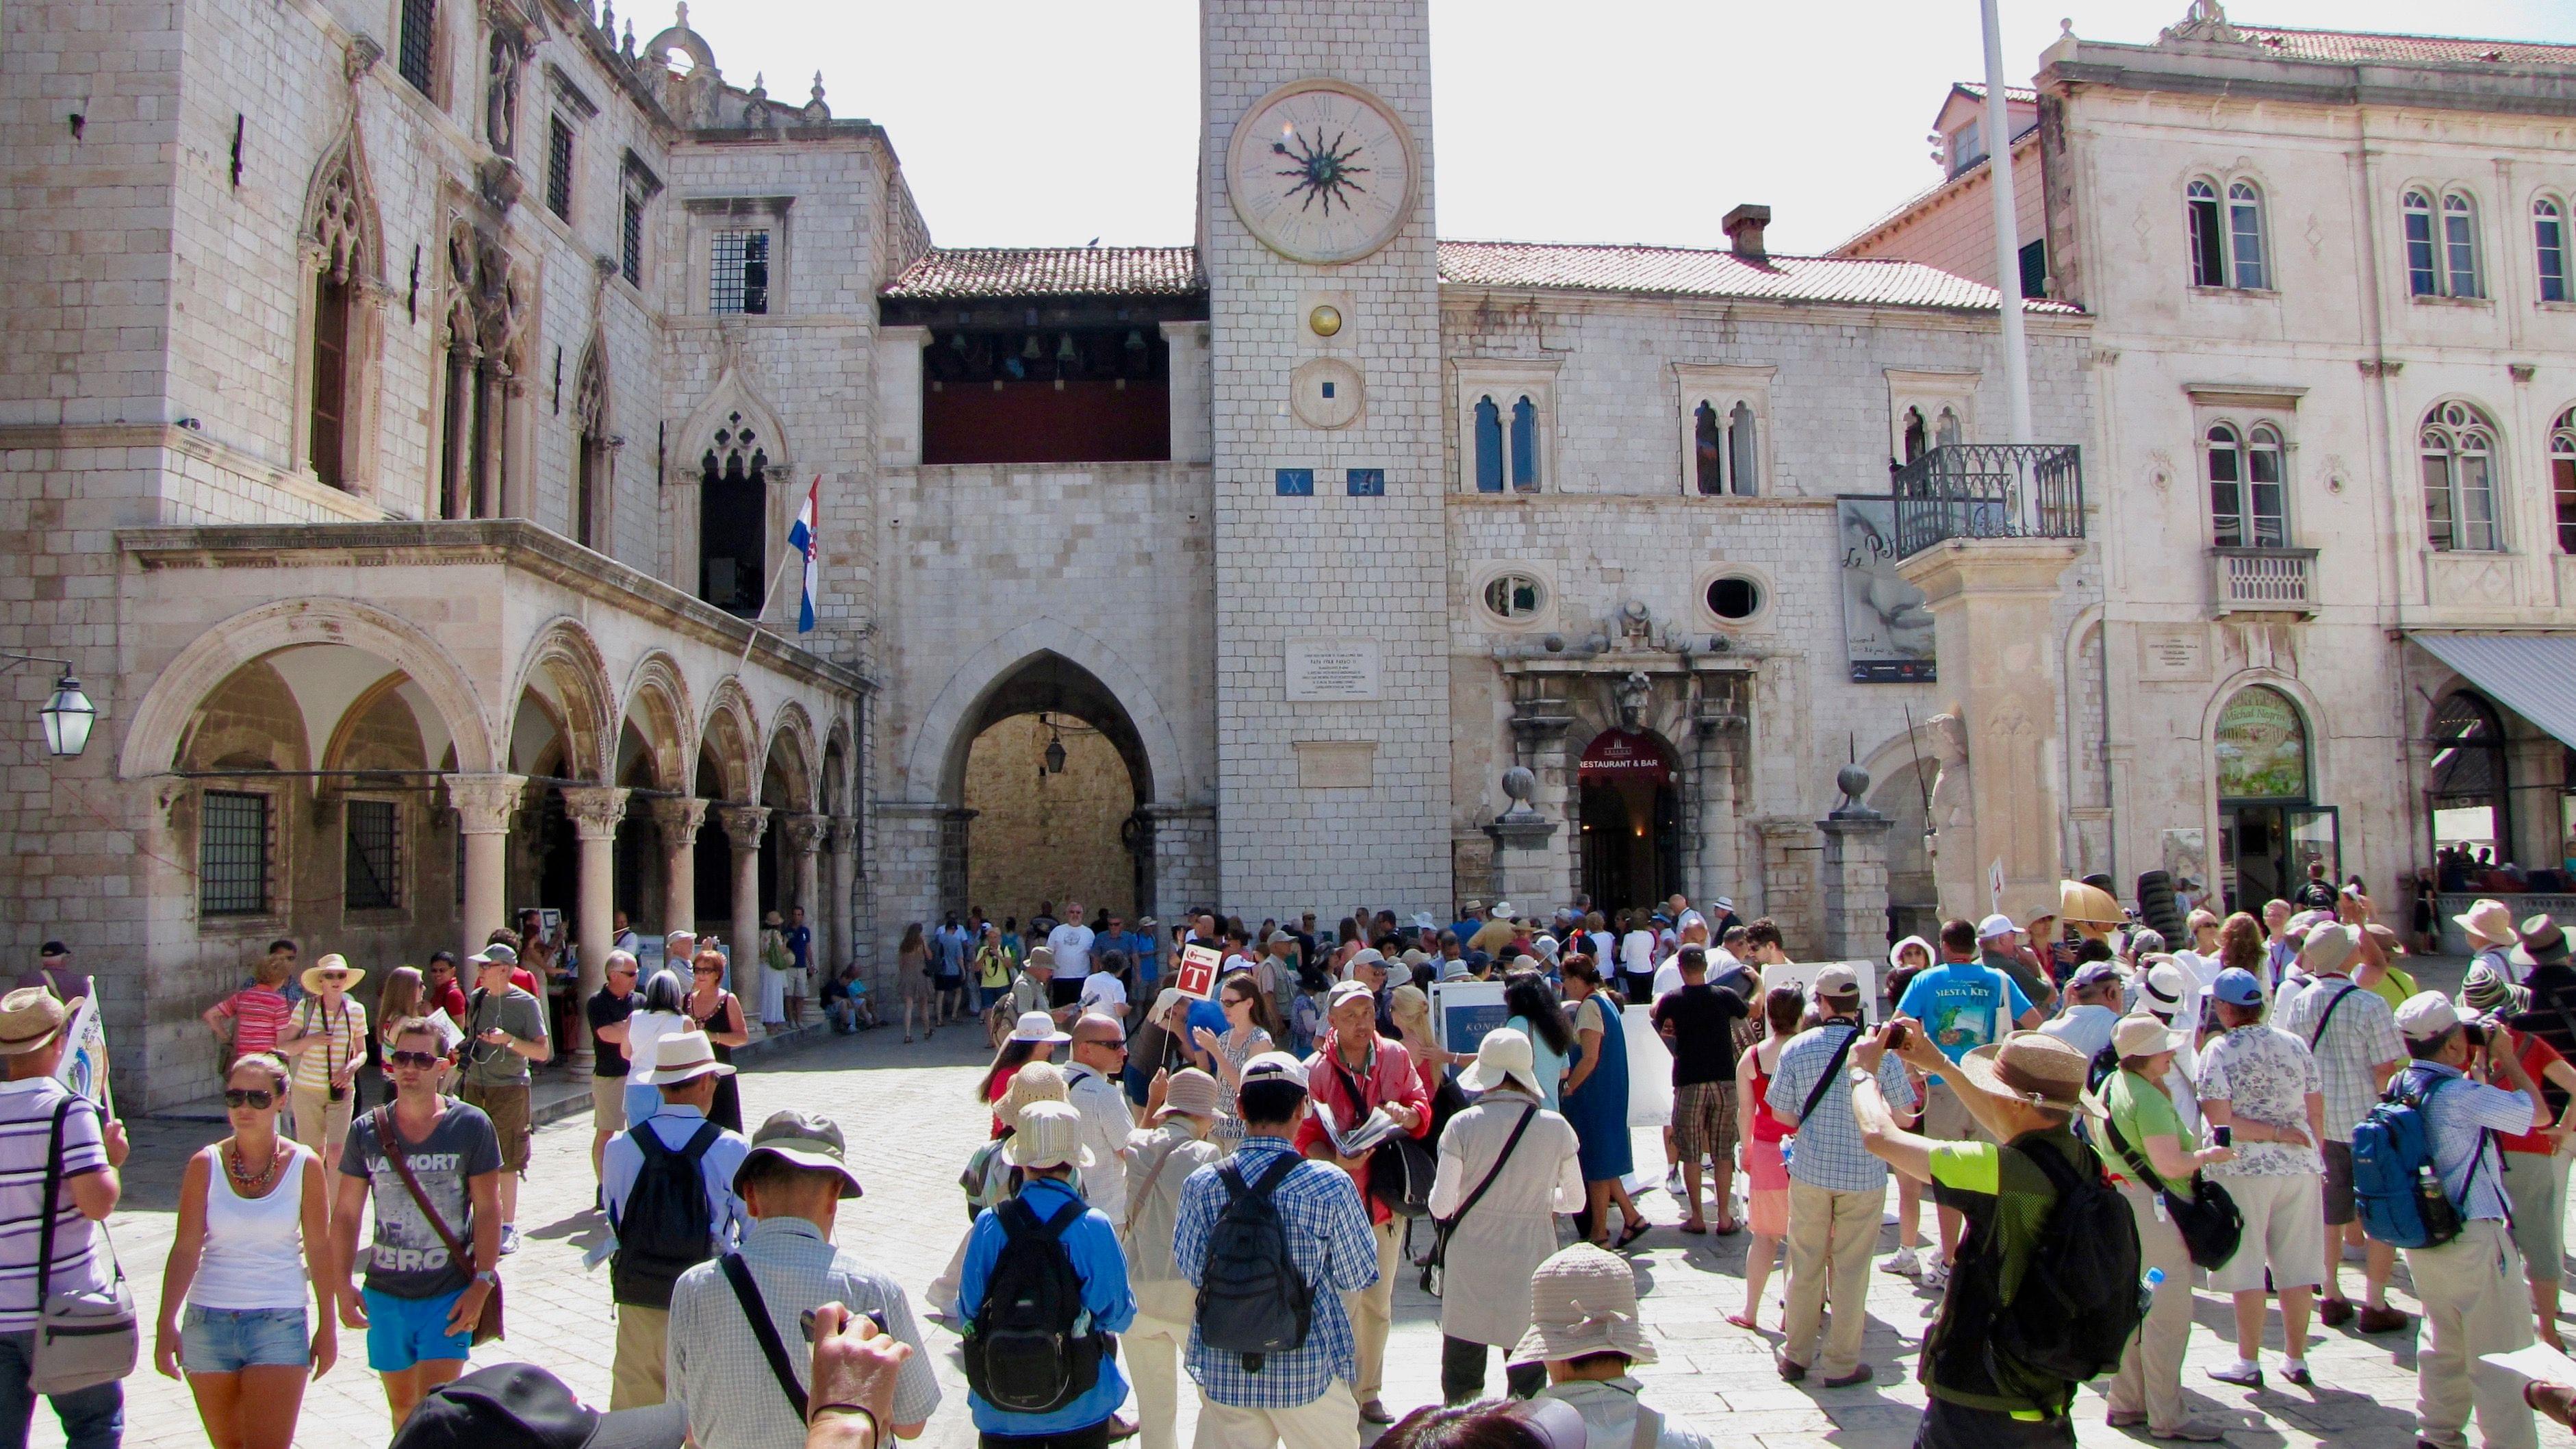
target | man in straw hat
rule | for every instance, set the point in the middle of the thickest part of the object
(679, 1146)
(31, 1044)
(1837, 1190)
(1160, 1160)
(792, 1180)
(2024, 1090)
(325, 1042)
(2352, 1033)
(1585, 1330)
(1047, 1148)
(1301, 1398)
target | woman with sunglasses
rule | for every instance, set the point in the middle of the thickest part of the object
(718, 1013)
(253, 1219)
(1250, 1030)
(326, 1041)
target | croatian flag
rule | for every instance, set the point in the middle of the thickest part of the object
(801, 537)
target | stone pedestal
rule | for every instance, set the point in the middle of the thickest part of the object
(1852, 882)
(1789, 882)
(840, 844)
(483, 807)
(1525, 869)
(1992, 602)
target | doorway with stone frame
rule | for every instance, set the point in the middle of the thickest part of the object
(1051, 791)
(1631, 820)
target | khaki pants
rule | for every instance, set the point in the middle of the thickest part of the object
(635, 1378)
(1331, 1422)
(1372, 1309)
(321, 1123)
(1153, 1347)
(2150, 1377)
(2474, 1304)
(1831, 1238)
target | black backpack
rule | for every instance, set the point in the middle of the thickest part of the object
(663, 1231)
(1252, 1299)
(2081, 1297)
(2104, 1063)
(1031, 1348)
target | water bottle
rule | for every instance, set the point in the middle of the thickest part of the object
(2147, 1292)
(2155, 1279)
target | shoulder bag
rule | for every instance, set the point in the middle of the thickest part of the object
(1401, 1168)
(1441, 1228)
(2208, 1219)
(487, 1326)
(84, 1336)
(755, 1308)
(2328, 1018)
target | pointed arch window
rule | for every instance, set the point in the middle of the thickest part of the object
(594, 472)
(733, 514)
(339, 335)
(1524, 446)
(2562, 478)
(1489, 446)
(2457, 448)
(2549, 241)
(2423, 278)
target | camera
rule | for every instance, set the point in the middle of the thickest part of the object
(339, 1093)
(2477, 1032)
(1896, 1036)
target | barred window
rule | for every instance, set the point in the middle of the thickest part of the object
(232, 854)
(630, 257)
(740, 283)
(371, 882)
(559, 167)
(419, 36)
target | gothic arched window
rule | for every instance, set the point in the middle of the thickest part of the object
(1489, 446)
(1524, 446)
(2457, 446)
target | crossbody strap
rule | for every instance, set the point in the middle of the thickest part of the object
(1145, 1189)
(53, 1185)
(1528, 1115)
(755, 1308)
(1825, 1082)
(2134, 1157)
(389, 1142)
(2328, 1018)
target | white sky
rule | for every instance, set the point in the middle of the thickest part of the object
(1043, 122)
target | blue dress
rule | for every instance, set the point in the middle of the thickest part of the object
(1599, 1110)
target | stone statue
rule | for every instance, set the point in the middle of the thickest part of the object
(1634, 693)
(1951, 820)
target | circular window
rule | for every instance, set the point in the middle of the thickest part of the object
(1515, 598)
(1734, 597)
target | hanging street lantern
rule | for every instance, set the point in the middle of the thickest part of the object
(67, 718)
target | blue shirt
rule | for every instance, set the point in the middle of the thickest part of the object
(1330, 1242)
(800, 943)
(1102, 1266)
(1139, 949)
(2457, 1119)
(621, 1160)
(1830, 1153)
(1956, 1003)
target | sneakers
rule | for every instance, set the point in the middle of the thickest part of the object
(509, 1239)
(2240, 1373)
(1936, 1274)
(1903, 1265)
(1673, 1180)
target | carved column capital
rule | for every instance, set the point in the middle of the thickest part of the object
(595, 810)
(801, 834)
(743, 824)
(484, 802)
(679, 819)
(840, 834)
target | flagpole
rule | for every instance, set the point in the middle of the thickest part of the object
(1999, 166)
(795, 556)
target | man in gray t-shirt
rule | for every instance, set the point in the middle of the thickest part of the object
(505, 1030)
(408, 1259)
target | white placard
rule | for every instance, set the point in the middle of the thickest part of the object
(1333, 669)
(1802, 975)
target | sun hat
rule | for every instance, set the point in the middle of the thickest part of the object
(1504, 1056)
(1523, 962)
(524, 1406)
(1995, 925)
(2237, 987)
(2486, 990)
(1042, 956)
(2426, 1015)
(682, 1057)
(2029, 1065)
(29, 1018)
(2488, 920)
(1191, 1091)
(313, 974)
(1837, 981)
(2543, 943)
(1415, 957)
(773, 919)
(2327, 948)
(1050, 1135)
(1033, 1082)
(2141, 1034)
(1583, 1300)
(2166, 986)
(1896, 952)
(1038, 1026)
(1502, 911)
(1724, 903)
(1273, 1067)
(806, 1140)
(1422, 921)
(1348, 991)
(1148, 922)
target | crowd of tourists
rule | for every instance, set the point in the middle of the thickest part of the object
(1216, 1196)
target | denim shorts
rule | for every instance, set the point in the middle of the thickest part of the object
(228, 1340)
(402, 1332)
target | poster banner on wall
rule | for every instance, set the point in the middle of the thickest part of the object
(1466, 1010)
(1887, 630)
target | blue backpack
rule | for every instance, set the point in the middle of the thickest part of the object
(2401, 1196)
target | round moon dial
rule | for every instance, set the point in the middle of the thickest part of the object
(1322, 171)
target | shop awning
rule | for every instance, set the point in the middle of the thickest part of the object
(2534, 675)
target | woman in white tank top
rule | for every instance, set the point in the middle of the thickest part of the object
(253, 1239)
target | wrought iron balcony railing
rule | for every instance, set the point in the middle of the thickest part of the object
(1989, 490)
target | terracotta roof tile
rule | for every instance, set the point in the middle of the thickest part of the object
(2350, 46)
(1686, 272)
(962, 272)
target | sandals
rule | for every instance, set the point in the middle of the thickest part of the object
(1698, 1228)
(1743, 1321)
(1630, 1234)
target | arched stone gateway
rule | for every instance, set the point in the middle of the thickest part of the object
(1051, 778)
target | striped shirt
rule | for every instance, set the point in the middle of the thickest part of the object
(26, 1126)
(342, 1038)
(259, 1014)
(1330, 1242)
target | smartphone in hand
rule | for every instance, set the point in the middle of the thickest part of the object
(2223, 1136)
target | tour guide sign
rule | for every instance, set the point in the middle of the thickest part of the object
(1196, 976)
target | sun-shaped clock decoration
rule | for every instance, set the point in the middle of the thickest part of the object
(1322, 171)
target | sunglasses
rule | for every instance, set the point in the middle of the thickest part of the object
(253, 1097)
(706, 970)
(335, 975)
(422, 1060)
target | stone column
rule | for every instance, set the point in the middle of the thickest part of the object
(840, 838)
(804, 842)
(1992, 602)
(743, 825)
(484, 804)
(595, 811)
(1853, 875)
(678, 821)
(1717, 734)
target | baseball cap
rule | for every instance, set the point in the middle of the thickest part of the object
(807, 1140)
(522, 1405)
(495, 954)
(1274, 1067)
(2094, 974)
(1837, 981)
(2426, 1015)
(1349, 990)
(2237, 987)
(1995, 925)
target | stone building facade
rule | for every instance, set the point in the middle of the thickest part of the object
(2334, 345)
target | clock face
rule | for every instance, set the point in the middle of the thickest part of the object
(1321, 171)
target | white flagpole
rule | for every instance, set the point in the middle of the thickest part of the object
(794, 556)
(1999, 167)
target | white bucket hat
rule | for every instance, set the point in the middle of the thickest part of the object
(1503, 1057)
(1040, 1027)
(1050, 1135)
(682, 1057)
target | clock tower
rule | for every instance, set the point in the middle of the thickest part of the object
(1332, 586)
